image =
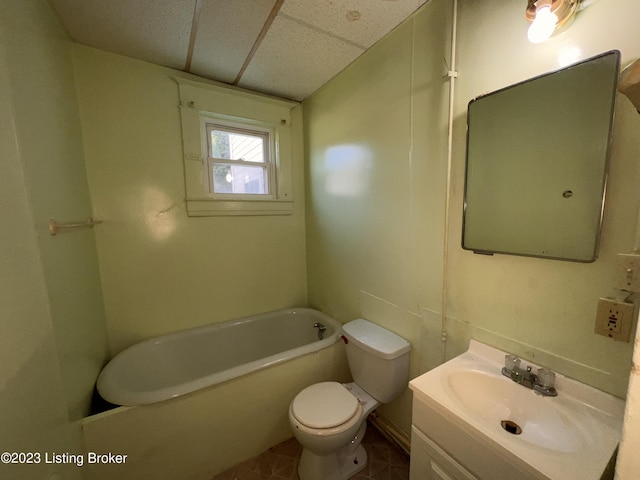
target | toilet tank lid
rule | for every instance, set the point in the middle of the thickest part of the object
(375, 339)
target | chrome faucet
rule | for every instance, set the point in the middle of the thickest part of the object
(542, 381)
(321, 329)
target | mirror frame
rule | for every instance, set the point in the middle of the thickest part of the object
(610, 115)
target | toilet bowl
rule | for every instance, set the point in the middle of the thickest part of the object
(329, 421)
(329, 418)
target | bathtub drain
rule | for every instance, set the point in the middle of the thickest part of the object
(511, 427)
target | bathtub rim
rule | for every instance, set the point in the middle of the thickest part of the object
(108, 387)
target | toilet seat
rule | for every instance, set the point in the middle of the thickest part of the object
(325, 405)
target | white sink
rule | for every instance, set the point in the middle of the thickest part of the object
(572, 435)
(496, 399)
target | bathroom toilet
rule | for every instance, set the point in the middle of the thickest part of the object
(329, 418)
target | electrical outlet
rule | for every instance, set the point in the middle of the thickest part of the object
(614, 319)
(628, 272)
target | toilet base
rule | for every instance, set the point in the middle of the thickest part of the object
(319, 460)
(334, 466)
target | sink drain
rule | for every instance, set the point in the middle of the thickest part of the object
(511, 427)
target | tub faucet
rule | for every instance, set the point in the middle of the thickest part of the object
(321, 329)
(542, 381)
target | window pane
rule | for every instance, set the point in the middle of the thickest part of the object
(239, 179)
(237, 146)
(222, 178)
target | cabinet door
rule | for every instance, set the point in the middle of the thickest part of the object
(430, 462)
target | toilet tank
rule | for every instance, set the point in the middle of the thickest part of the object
(378, 359)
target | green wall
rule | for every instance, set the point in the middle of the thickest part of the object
(376, 142)
(49, 138)
(374, 240)
(161, 270)
(377, 183)
(52, 339)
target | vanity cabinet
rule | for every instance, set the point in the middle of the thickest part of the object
(430, 462)
(443, 448)
(470, 422)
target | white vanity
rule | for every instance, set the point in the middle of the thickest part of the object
(470, 422)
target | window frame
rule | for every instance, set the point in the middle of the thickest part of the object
(267, 133)
(230, 104)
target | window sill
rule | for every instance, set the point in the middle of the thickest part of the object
(208, 207)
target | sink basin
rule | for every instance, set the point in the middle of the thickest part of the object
(500, 403)
(572, 435)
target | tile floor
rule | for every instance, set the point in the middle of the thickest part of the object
(386, 462)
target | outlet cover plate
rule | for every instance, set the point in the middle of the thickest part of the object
(614, 319)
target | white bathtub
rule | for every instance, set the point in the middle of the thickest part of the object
(179, 363)
(198, 435)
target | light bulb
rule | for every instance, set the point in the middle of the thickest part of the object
(543, 25)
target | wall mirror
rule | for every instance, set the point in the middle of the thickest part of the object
(537, 157)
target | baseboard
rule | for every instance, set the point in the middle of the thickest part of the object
(390, 432)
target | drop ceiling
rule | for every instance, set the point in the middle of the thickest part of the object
(287, 48)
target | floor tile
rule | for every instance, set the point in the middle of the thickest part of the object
(386, 462)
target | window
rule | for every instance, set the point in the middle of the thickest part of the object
(238, 150)
(239, 159)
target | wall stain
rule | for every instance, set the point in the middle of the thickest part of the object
(353, 15)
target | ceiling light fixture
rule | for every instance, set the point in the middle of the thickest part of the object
(546, 16)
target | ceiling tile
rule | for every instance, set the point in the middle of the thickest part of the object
(294, 60)
(226, 33)
(359, 21)
(309, 42)
(156, 31)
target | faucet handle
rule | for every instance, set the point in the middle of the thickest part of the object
(511, 362)
(546, 378)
